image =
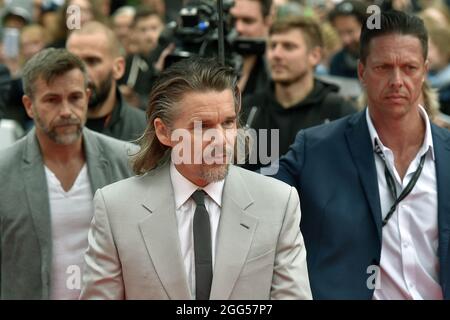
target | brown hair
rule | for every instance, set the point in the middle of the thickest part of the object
(309, 27)
(48, 64)
(144, 12)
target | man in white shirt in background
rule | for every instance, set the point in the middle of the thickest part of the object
(48, 180)
(374, 186)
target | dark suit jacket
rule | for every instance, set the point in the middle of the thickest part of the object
(25, 228)
(333, 168)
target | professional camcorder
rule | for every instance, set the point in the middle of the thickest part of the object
(196, 33)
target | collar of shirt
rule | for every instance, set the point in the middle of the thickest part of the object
(183, 188)
(427, 141)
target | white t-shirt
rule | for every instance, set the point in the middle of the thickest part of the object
(71, 214)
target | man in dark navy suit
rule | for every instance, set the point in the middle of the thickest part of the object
(374, 186)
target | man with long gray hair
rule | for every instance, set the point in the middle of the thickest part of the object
(190, 225)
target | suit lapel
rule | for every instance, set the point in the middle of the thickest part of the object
(99, 168)
(159, 231)
(361, 149)
(37, 193)
(441, 145)
(235, 235)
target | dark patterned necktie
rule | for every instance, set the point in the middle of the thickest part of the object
(202, 247)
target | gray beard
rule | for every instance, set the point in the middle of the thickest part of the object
(61, 139)
(211, 175)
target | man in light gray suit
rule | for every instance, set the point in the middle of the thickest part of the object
(190, 225)
(48, 179)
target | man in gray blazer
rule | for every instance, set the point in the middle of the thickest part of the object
(190, 225)
(48, 181)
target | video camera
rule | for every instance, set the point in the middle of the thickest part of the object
(197, 34)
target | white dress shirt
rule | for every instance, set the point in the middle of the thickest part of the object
(71, 214)
(409, 265)
(185, 209)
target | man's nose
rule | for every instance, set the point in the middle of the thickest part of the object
(240, 28)
(66, 110)
(346, 39)
(276, 50)
(395, 80)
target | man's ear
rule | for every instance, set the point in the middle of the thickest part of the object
(315, 56)
(28, 103)
(361, 71)
(162, 132)
(88, 94)
(118, 67)
(427, 68)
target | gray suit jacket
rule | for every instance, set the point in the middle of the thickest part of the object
(25, 228)
(134, 248)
